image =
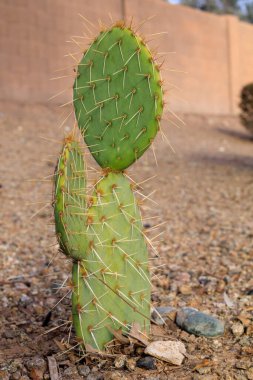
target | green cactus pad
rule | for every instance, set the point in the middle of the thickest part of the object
(70, 200)
(118, 98)
(111, 285)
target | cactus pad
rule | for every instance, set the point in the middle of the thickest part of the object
(118, 97)
(70, 200)
(111, 285)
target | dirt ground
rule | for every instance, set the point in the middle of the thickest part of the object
(204, 194)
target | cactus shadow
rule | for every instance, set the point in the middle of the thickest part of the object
(238, 135)
(240, 162)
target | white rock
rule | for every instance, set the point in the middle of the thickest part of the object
(237, 329)
(169, 351)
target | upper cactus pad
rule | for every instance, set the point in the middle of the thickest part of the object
(118, 97)
(70, 200)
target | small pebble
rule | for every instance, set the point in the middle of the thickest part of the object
(16, 375)
(25, 300)
(71, 373)
(94, 376)
(10, 334)
(5, 301)
(36, 362)
(204, 370)
(185, 290)
(119, 362)
(237, 329)
(4, 375)
(131, 364)
(198, 323)
(250, 330)
(83, 370)
(249, 373)
(147, 362)
(169, 351)
(115, 376)
(216, 344)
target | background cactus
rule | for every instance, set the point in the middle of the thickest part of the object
(118, 105)
(246, 105)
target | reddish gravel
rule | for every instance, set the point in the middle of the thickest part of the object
(204, 194)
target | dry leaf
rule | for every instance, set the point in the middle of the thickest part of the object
(137, 334)
(118, 335)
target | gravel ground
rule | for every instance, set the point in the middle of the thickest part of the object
(204, 194)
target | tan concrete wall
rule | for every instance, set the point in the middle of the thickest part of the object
(246, 53)
(214, 52)
(33, 35)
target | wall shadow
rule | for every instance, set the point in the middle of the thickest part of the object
(230, 161)
(244, 136)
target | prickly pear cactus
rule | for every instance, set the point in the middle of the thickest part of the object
(118, 106)
(70, 200)
(111, 285)
(118, 97)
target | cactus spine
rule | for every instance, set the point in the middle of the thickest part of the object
(118, 106)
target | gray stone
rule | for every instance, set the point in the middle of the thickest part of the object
(198, 323)
(84, 370)
(147, 362)
(36, 362)
(71, 373)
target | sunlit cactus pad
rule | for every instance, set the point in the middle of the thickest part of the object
(118, 97)
(111, 285)
(69, 200)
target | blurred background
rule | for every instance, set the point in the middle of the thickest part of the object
(210, 41)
